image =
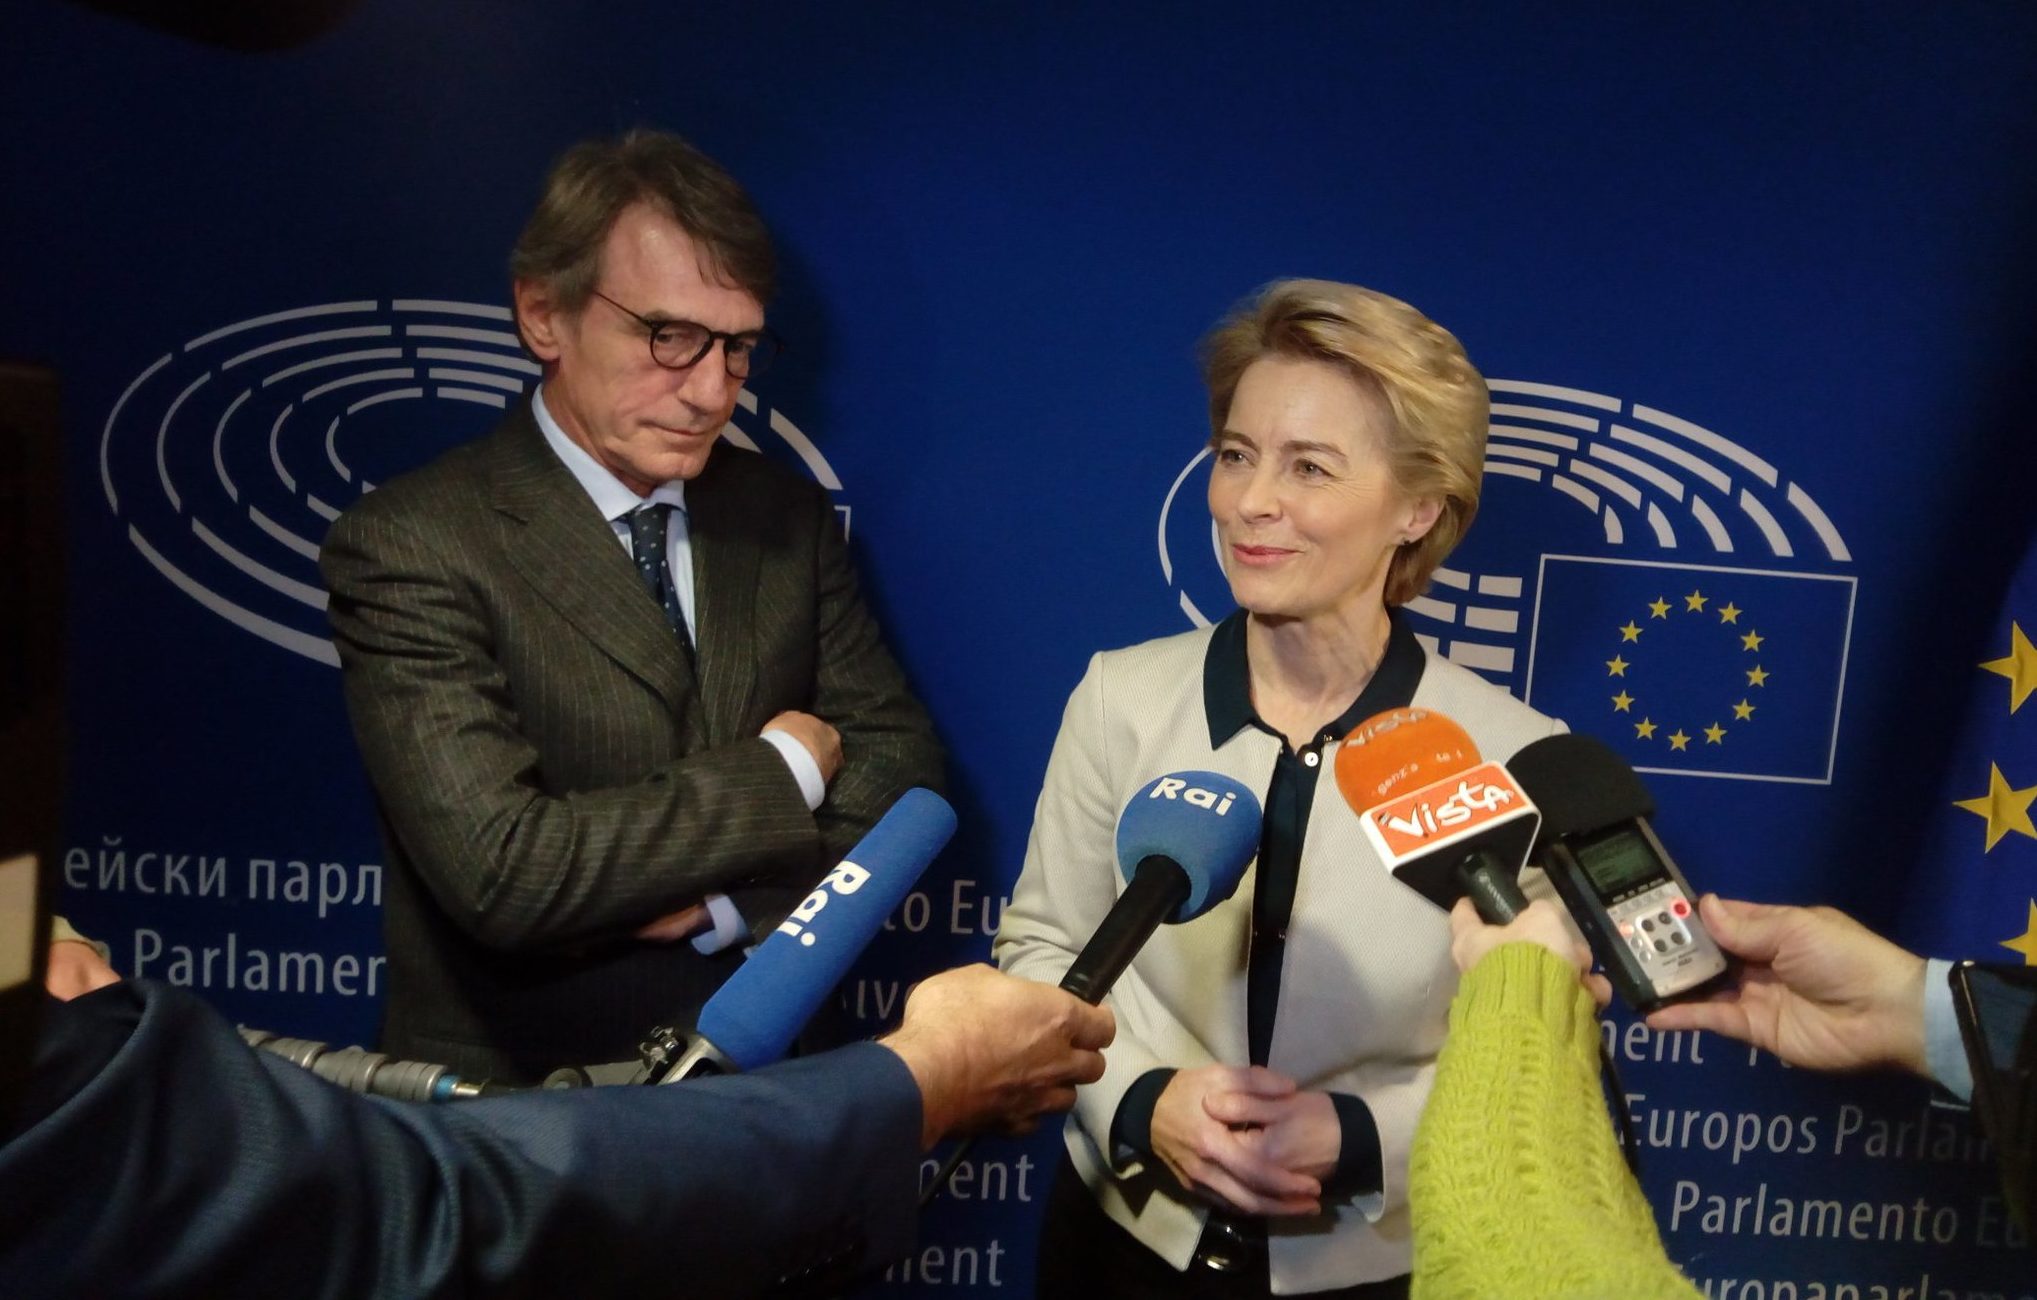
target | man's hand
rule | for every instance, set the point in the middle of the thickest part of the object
(1819, 989)
(821, 740)
(992, 1051)
(76, 969)
(1196, 1133)
(1539, 922)
(682, 924)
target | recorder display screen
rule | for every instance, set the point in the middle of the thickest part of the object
(1619, 862)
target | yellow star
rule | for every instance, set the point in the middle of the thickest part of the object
(1623, 703)
(1616, 667)
(1645, 729)
(2020, 667)
(1630, 632)
(1752, 641)
(1755, 677)
(2026, 942)
(1695, 602)
(2005, 809)
(1659, 608)
(1729, 613)
(1742, 711)
(1677, 740)
(1715, 734)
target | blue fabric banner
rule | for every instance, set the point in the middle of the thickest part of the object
(1976, 890)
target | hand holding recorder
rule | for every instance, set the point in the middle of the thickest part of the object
(1819, 989)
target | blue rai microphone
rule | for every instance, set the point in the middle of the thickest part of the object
(752, 1019)
(1183, 844)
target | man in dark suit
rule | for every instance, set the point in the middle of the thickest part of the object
(618, 695)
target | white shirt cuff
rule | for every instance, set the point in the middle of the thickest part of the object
(804, 769)
(728, 925)
(1944, 1049)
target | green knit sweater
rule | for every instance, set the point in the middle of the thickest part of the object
(1516, 1185)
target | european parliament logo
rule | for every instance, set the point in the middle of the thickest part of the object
(229, 456)
(1649, 580)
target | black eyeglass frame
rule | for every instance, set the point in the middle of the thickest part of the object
(763, 345)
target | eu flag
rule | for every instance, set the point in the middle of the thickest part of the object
(1694, 669)
(1977, 894)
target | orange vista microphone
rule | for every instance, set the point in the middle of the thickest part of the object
(1447, 823)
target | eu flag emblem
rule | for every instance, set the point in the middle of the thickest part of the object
(1695, 669)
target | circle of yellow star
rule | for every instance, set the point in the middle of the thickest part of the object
(1631, 632)
(1695, 602)
(1742, 711)
(2020, 667)
(1623, 703)
(2006, 809)
(1658, 608)
(1756, 677)
(1644, 729)
(1677, 740)
(1715, 734)
(2026, 942)
(1752, 641)
(1729, 613)
(1616, 667)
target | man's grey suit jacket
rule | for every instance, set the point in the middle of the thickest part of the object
(552, 773)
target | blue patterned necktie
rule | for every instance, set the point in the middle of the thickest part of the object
(647, 532)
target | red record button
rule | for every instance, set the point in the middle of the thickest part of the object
(1680, 907)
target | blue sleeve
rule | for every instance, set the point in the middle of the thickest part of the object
(1360, 1170)
(1944, 1050)
(182, 1163)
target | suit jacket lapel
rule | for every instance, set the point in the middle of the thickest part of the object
(567, 552)
(726, 558)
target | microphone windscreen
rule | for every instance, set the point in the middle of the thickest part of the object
(1205, 821)
(1400, 749)
(1580, 784)
(754, 1017)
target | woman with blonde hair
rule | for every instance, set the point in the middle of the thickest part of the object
(1250, 1134)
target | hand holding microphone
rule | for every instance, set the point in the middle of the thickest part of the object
(986, 1050)
(1472, 937)
(992, 1053)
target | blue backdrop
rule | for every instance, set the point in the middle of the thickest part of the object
(1752, 288)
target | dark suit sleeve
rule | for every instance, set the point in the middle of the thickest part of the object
(888, 744)
(459, 779)
(164, 1158)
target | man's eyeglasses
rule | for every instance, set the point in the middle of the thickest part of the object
(679, 344)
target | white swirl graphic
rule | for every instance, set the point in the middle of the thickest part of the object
(230, 456)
